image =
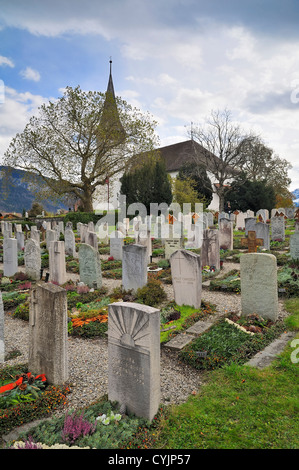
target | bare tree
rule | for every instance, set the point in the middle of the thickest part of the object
(220, 149)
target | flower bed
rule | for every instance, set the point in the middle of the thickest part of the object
(229, 342)
(24, 398)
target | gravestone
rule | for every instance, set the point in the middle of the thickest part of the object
(144, 238)
(294, 245)
(57, 266)
(225, 234)
(35, 235)
(134, 267)
(48, 353)
(210, 250)
(263, 231)
(134, 358)
(249, 224)
(90, 266)
(259, 293)
(210, 220)
(172, 245)
(240, 221)
(186, 276)
(51, 236)
(2, 344)
(70, 242)
(20, 240)
(10, 256)
(278, 228)
(32, 259)
(116, 244)
(92, 239)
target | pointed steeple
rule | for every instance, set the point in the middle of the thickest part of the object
(110, 120)
(110, 87)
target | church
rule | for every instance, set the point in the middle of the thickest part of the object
(175, 156)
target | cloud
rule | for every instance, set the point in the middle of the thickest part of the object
(5, 61)
(30, 74)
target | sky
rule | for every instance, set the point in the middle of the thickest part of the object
(179, 60)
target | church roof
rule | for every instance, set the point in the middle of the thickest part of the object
(189, 151)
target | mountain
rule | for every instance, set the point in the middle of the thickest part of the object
(296, 194)
(19, 196)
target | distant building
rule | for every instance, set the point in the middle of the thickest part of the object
(175, 156)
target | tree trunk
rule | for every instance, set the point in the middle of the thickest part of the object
(87, 199)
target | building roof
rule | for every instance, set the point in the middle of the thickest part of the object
(189, 151)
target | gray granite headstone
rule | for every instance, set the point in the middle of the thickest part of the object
(90, 266)
(294, 245)
(186, 276)
(259, 293)
(48, 347)
(70, 242)
(10, 256)
(134, 267)
(277, 228)
(32, 258)
(134, 358)
(225, 234)
(57, 266)
(210, 250)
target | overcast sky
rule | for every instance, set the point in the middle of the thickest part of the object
(177, 59)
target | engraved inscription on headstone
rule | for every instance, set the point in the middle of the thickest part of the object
(134, 357)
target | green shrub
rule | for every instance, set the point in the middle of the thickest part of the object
(152, 294)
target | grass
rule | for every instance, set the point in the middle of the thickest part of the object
(240, 407)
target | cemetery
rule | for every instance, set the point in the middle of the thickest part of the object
(102, 336)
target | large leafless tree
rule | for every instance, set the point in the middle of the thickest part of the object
(220, 149)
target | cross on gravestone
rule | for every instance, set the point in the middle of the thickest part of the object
(252, 242)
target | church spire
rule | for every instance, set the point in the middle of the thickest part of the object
(110, 120)
(110, 87)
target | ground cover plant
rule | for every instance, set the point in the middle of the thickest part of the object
(230, 282)
(229, 341)
(100, 426)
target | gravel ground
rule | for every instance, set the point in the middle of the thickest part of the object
(88, 358)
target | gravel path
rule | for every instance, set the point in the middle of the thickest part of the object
(88, 358)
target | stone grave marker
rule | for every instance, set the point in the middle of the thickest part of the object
(134, 267)
(249, 224)
(20, 240)
(90, 266)
(35, 235)
(240, 221)
(57, 266)
(278, 228)
(186, 276)
(116, 245)
(259, 293)
(294, 245)
(51, 236)
(210, 250)
(92, 239)
(172, 245)
(70, 242)
(225, 234)
(48, 352)
(263, 231)
(10, 257)
(32, 258)
(134, 358)
(2, 344)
